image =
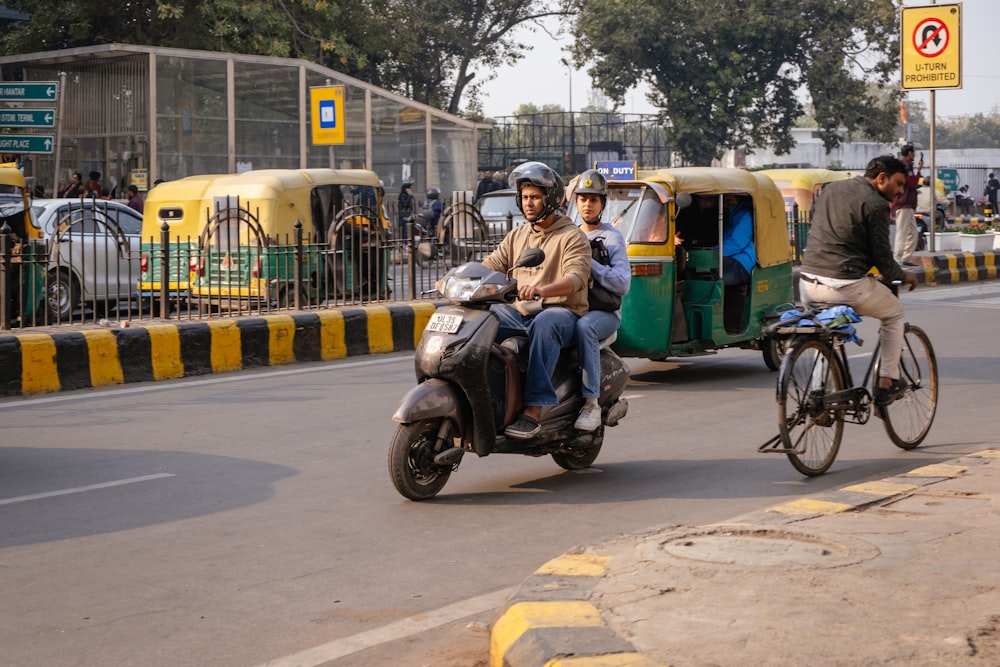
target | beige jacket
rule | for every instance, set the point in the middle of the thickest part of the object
(567, 254)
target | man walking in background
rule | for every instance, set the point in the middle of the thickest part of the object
(903, 206)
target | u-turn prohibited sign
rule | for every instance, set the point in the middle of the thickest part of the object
(931, 47)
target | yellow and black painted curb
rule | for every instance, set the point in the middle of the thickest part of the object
(32, 363)
(959, 267)
(550, 620)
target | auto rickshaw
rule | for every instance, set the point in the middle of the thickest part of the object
(25, 288)
(799, 188)
(246, 249)
(179, 204)
(678, 305)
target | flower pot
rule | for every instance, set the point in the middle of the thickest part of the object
(976, 242)
(944, 241)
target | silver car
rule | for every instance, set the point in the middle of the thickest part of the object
(93, 254)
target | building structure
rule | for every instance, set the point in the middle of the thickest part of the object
(139, 113)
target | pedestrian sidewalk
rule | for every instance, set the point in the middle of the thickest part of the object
(899, 571)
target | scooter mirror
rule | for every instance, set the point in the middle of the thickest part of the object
(529, 258)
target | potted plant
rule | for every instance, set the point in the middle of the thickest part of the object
(976, 238)
(944, 239)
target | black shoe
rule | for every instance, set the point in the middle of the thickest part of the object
(523, 428)
(896, 390)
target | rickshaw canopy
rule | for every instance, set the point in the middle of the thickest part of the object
(770, 226)
(802, 186)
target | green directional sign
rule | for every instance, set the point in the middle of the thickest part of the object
(27, 117)
(26, 143)
(34, 91)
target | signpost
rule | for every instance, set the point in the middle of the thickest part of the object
(28, 91)
(327, 106)
(26, 143)
(28, 117)
(931, 58)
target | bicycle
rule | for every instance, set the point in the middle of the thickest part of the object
(816, 393)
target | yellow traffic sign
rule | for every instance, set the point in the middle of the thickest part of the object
(931, 47)
(327, 115)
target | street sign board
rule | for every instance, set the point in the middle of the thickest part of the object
(26, 143)
(25, 91)
(948, 178)
(28, 117)
(327, 105)
(931, 47)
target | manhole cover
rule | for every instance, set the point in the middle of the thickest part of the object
(766, 547)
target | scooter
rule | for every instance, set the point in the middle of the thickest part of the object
(470, 388)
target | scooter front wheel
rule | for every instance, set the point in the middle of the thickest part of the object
(411, 460)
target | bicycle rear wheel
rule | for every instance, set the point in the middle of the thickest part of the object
(808, 430)
(908, 419)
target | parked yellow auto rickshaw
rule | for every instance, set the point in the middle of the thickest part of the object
(25, 288)
(246, 249)
(180, 205)
(678, 305)
(799, 188)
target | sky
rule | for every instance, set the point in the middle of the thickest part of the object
(980, 92)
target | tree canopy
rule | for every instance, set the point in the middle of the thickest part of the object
(730, 73)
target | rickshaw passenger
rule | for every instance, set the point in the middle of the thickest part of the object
(738, 254)
(697, 225)
(615, 277)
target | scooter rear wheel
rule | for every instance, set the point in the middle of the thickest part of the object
(411, 460)
(580, 457)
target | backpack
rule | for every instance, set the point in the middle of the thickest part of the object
(599, 296)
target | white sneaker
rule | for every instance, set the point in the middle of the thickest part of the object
(589, 419)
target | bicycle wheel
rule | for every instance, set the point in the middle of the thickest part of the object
(809, 431)
(908, 419)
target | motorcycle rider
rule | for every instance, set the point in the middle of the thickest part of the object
(591, 199)
(551, 296)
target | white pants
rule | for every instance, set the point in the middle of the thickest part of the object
(906, 235)
(870, 298)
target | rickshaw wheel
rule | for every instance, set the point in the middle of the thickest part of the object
(773, 350)
(578, 458)
(411, 460)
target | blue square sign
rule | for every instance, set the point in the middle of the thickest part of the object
(328, 114)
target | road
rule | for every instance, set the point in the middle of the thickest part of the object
(248, 519)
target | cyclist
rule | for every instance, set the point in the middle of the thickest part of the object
(849, 234)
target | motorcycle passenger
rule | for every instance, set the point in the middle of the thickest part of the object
(551, 296)
(591, 199)
(433, 204)
(848, 235)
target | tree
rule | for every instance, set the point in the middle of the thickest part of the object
(729, 73)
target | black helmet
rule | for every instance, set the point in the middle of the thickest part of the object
(541, 176)
(433, 193)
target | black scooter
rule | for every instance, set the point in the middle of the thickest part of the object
(470, 388)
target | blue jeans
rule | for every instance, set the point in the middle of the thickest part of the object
(548, 333)
(590, 330)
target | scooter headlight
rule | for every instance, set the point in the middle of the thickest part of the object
(458, 288)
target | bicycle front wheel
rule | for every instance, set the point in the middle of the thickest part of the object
(908, 419)
(810, 432)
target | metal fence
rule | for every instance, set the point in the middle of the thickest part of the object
(96, 274)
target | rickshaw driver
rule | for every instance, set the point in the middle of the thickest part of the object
(559, 285)
(848, 235)
(591, 198)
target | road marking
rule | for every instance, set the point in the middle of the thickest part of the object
(82, 489)
(406, 627)
(247, 374)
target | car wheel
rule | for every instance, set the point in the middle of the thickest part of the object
(62, 295)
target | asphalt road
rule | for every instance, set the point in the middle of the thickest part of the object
(248, 519)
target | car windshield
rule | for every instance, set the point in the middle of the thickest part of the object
(636, 211)
(498, 207)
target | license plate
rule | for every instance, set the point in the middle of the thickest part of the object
(444, 323)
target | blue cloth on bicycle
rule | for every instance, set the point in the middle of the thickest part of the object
(840, 318)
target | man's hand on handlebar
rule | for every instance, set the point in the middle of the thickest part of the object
(529, 292)
(910, 280)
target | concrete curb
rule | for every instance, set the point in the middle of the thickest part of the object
(550, 620)
(32, 363)
(958, 267)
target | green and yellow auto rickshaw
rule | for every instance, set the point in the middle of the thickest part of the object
(247, 246)
(25, 288)
(678, 304)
